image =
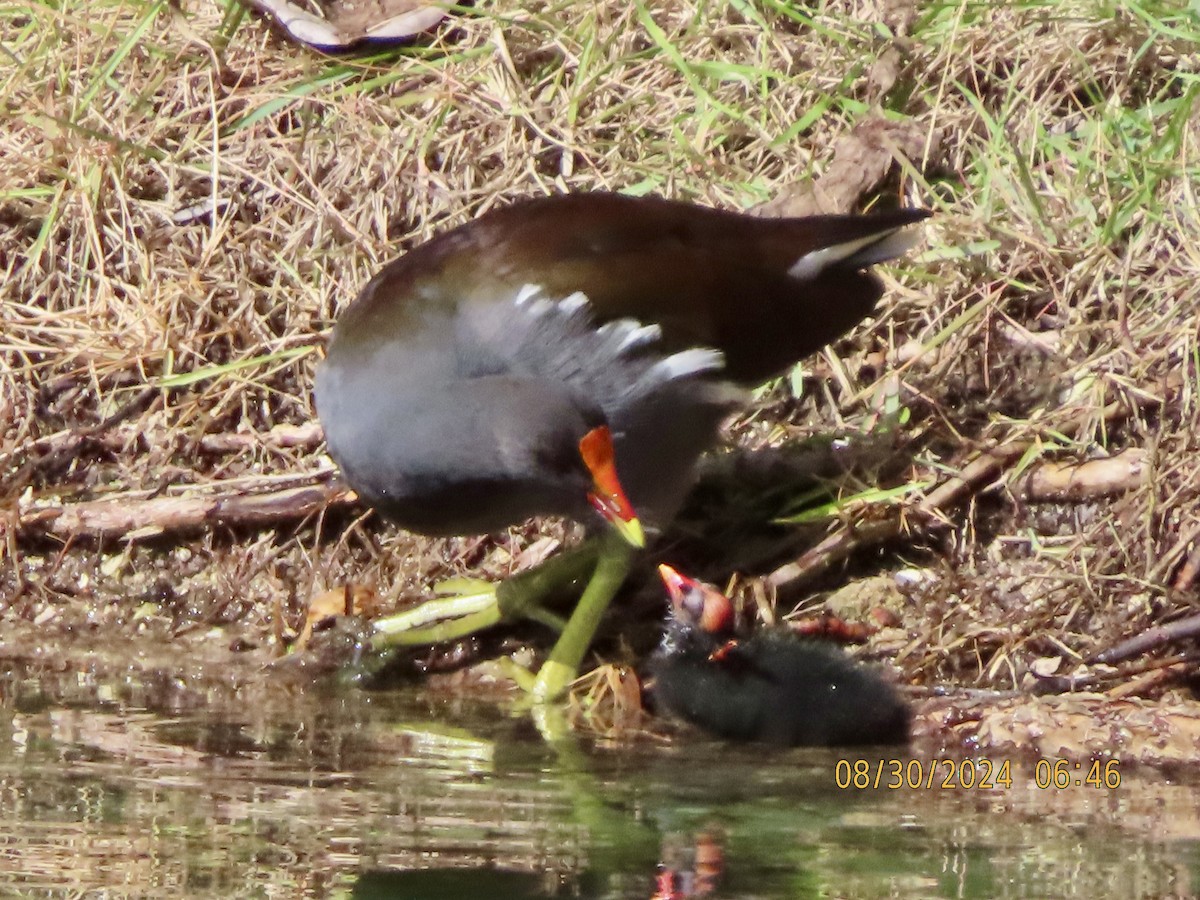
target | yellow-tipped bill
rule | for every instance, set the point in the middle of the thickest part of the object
(607, 495)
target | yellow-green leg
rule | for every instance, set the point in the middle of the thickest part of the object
(471, 604)
(561, 668)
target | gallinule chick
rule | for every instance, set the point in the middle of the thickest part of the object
(772, 686)
(500, 370)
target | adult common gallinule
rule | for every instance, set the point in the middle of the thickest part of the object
(498, 371)
(773, 686)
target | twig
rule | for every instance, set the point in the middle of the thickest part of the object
(58, 448)
(1188, 571)
(976, 475)
(1162, 672)
(1135, 678)
(1149, 639)
(1054, 480)
(979, 473)
(140, 516)
(838, 546)
(833, 549)
(1169, 560)
(304, 436)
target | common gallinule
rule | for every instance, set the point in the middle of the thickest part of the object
(497, 371)
(771, 686)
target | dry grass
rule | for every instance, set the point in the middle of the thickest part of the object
(1055, 305)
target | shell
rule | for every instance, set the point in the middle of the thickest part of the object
(342, 25)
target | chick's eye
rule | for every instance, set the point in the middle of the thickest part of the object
(692, 602)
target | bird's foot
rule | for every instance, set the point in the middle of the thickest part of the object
(562, 667)
(463, 606)
(466, 605)
(553, 679)
(550, 719)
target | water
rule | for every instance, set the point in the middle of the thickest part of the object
(185, 788)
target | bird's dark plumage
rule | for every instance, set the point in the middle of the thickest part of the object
(771, 687)
(459, 384)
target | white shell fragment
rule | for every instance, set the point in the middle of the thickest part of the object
(339, 25)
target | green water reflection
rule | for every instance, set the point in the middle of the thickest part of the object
(175, 791)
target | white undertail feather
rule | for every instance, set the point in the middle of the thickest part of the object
(688, 362)
(857, 254)
(891, 246)
(630, 333)
(642, 336)
(527, 293)
(532, 298)
(643, 368)
(573, 303)
(540, 306)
